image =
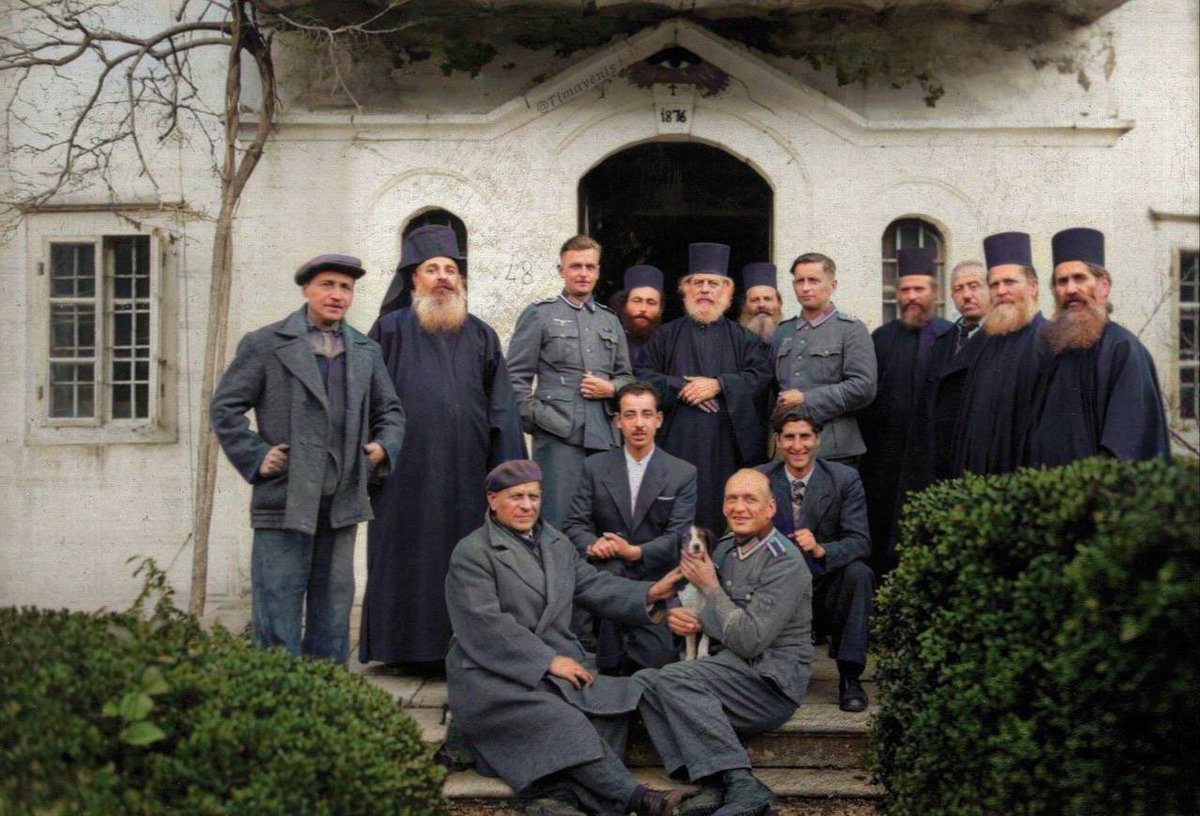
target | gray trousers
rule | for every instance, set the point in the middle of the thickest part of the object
(694, 710)
(562, 465)
(848, 595)
(603, 786)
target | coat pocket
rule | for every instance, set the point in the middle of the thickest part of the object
(562, 343)
(554, 411)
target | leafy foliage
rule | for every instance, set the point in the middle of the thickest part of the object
(1035, 645)
(150, 714)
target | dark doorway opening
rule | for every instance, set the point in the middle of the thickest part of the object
(647, 203)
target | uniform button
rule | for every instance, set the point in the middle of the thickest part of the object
(729, 583)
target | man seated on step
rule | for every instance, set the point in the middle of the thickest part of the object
(820, 506)
(757, 594)
(518, 686)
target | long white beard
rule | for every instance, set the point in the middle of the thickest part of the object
(441, 313)
(706, 313)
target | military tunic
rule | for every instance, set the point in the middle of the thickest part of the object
(762, 616)
(557, 342)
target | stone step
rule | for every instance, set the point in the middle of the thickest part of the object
(818, 791)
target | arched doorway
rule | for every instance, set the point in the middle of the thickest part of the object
(645, 204)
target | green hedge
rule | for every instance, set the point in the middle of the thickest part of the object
(137, 714)
(1037, 645)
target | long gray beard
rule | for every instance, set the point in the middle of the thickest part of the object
(441, 313)
(1074, 329)
(1006, 318)
(763, 325)
(708, 314)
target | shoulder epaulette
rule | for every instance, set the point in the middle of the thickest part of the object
(791, 319)
(849, 318)
(550, 299)
(600, 305)
(774, 547)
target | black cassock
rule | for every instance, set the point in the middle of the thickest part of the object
(902, 354)
(930, 455)
(734, 437)
(997, 403)
(463, 421)
(1100, 401)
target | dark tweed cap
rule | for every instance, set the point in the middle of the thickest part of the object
(330, 262)
(512, 472)
(1078, 244)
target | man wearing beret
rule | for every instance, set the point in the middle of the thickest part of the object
(761, 307)
(448, 369)
(989, 435)
(328, 422)
(902, 348)
(575, 349)
(641, 307)
(713, 377)
(1097, 392)
(521, 689)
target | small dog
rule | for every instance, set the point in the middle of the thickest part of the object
(698, 543)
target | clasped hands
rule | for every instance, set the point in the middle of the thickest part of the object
(611, 545)
(593, 387)
(276, 460)
(701, 392)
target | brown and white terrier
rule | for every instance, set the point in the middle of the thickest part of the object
(698, 543)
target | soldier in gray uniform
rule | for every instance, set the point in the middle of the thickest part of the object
(757, 592)
(824, 359)
(576, 349)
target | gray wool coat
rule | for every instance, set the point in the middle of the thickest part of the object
(511, 617)
(275, 373)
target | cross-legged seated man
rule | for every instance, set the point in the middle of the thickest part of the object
(757, 594)
(520, 687)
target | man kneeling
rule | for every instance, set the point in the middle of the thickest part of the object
(758, 603)
(518, 688)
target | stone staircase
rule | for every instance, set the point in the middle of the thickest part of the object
(814, 763)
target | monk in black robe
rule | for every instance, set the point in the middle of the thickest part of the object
(998, 397)
(1097, 393)
(713, 376)
(902, 350)
(640, 308)
(449, 371)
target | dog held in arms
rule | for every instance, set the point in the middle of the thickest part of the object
(699, 542)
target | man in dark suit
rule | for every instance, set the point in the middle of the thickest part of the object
(629, 516)
(328, 419)
(820, 506)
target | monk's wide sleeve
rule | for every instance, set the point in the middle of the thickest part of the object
(504, 419)
(1134, 424)
(743, 392)
(655, 365)
(487, 635)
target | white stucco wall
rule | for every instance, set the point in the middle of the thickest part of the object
(1012, 148)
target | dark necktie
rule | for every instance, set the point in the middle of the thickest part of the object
(964, 334)
(797, 500)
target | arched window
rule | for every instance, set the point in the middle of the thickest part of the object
(443, 217)
(910, 233)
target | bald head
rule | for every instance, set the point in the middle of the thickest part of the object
(749, 507)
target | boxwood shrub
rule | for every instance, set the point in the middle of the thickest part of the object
(148, 713)
(1037, 645)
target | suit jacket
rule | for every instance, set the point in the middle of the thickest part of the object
(834, 509)
(275, 374)
(834, 365)
(511, 617)
(665, 509)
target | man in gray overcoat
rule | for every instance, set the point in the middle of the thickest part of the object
(757, 594)
(328, 421)
(519, 685)
(824, 359)
(576, 349)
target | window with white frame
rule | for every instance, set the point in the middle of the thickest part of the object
(101, 338)
(910, 233)
(1189, 334)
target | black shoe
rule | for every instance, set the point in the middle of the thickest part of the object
(650, 802)
(705, 801)
(852, 696)
(744, 795)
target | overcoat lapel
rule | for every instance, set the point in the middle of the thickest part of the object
(652, 483)
(560, 583)
(297, 357)
(517, 558)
